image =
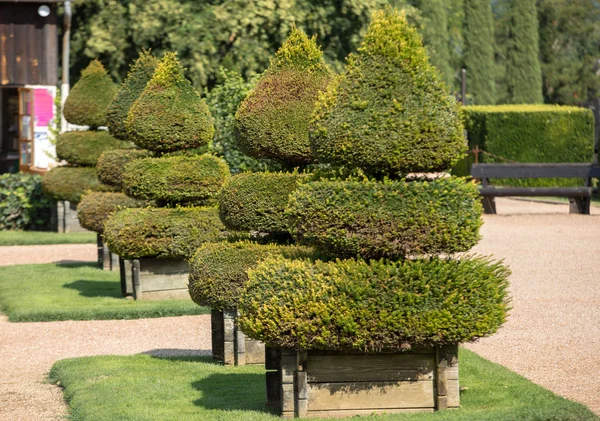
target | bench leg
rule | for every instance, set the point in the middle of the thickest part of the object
(579, 205)
(489, 205)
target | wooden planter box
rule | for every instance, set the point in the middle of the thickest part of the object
(107, 260)
(64, 217)
(229, 344)
(331, 384)
(150, 278)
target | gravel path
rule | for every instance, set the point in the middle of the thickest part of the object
(63, 253)
(551, 337)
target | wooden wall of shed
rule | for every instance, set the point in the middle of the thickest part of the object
(28, 45)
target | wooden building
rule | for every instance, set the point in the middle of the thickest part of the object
(28, 81)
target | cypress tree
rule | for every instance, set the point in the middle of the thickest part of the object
(436, 37)
(523, 72)
(478, 36)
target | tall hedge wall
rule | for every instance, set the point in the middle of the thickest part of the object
(529, 133)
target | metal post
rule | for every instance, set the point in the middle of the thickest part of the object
(64, 89)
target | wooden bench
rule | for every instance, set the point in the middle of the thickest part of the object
(579, 197)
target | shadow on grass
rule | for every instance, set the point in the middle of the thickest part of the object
(95, 289)
(233, 391)
(173, 354)
(76, 264)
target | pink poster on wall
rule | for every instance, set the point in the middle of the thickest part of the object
(43, 106)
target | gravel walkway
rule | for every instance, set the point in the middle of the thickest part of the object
(551, 337)
(63, 253)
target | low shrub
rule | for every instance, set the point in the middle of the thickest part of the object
(177, 179)
(257, 201)
(162, 232)
(71, 183)
(96, 207)
(23, 205)
(529, 133)
(392, 219)
(369, 307)
(218, 270)
(83, 148)
(111, 164)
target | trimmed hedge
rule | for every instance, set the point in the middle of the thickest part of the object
(162, 232)
(177, 179)
(272, 122)
(111, 164)
(218, 270)
(89, 98)
(83, 148)
(169, 114)
(71, 183)
(23, 205)
(369, 307)
(392, 219)
(530, 133)
(137, 78)
(257, 201)
(389, 113)
(95, 208)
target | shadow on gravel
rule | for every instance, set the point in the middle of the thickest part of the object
(94, 289)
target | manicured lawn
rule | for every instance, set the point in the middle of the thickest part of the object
(49, 292)
(27, 238)
(142, 387)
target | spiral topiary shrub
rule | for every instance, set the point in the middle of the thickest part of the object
(393, 219)
(257, 201)
(389, 113)
(162, 232)
(272, 122)
(169, 114)
(138, 77)
(111, 164)
(218, 270)
(179, 179)
(354, 305)
(89, 98)
(71, 183)
(83, 148)
(95, 208)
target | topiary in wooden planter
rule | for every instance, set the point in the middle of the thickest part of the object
(335, 384)
(229, 344)
(64, 217)
(107, 260)
(150, 278)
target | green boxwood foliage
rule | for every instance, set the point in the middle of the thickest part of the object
(71, 183)
(83, 148)
(392, 219)
(218, 270)
(139, 74)
(23, 205)
(368, 307)
(177, 179)
(169, 114)
(257, 201)
(272, 122)
(390, 112)
(89, 98)
(530, 133)
(162, 232)
(96, 207)
(111, 164)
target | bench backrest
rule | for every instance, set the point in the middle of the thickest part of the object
(558, 170)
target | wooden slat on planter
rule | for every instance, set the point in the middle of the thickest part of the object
(370, 395)
(341, 414)
(371, 367)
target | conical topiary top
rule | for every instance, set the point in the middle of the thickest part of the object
(272, 122)
(89, 98)
(169, 115)
(139, 74)
(389, 113)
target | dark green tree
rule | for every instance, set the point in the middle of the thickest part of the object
(436, 37)
(523, 73)
(478, 34)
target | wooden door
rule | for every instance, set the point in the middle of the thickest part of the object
(26, 122)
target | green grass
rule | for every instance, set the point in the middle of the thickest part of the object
(143, 387)
(28, 238)
(50, 292)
